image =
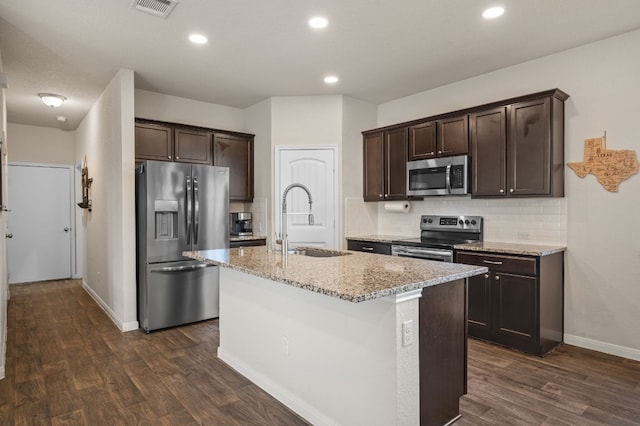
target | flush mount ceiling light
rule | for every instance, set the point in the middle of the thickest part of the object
(318, 22)
(331, 79)
(198, 39)
(493, 12)
(52, 100)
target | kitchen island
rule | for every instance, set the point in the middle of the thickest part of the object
(346, 337)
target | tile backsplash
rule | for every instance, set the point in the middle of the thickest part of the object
(530, 220)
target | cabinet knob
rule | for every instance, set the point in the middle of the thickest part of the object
(169, 157)
(497, 278)
(486, 275)
(380, 195)
(177, 158)
(511, 190)
(431, 153)
(439, 152)
(502, 191)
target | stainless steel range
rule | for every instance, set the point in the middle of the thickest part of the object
(438, 236)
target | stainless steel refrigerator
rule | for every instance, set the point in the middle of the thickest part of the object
(179, 207)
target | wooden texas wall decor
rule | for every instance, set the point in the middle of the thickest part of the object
(609, 166)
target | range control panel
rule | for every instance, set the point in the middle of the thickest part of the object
(451, 223)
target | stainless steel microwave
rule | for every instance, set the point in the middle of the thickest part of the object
(438, 176)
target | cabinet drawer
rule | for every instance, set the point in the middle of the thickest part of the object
(499, 263)
(369, 247)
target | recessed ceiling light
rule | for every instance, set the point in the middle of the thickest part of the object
(493, 12)
(331, 79)
(318, 22)
(198, 39)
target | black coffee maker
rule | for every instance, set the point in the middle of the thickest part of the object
(240, 223)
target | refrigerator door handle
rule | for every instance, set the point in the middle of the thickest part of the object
(196, 214)
(182, 268)
(189, 215)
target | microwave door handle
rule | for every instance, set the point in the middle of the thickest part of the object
(189, 216)
(448, 178)
(196, 213)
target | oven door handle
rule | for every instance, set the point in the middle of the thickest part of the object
(423, 254)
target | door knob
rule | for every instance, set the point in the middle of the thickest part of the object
(66, 229)
(9, 235)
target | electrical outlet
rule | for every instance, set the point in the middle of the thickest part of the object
(407, 333)
(523, 235)
(285, 345)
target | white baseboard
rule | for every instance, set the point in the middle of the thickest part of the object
(608, 348)
(299, 406)
(2, 372)
(123, 326)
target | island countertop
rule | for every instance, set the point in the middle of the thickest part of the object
(352, 276)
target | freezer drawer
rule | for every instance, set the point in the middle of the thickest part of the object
(176, 293)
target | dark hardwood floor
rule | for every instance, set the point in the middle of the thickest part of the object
(68, 364)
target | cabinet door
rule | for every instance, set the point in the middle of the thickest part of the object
(236, 152)
(488, 152)
(515, 310)
(396, 164)
(192, 146)
(479, 315)
(453, 136)
(529, 148)
(373, 179)
(153, 142)
(422, 141)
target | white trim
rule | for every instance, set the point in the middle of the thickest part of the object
(123, 326)
(72, 209)
(291, 400)
(608, 348)
(405, 297)
(336, 184)
(1, 372)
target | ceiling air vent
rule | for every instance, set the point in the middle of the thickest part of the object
(161, 8)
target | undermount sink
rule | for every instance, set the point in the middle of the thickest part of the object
(314, 252)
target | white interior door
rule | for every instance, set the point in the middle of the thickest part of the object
(40, 221)
(314, 168)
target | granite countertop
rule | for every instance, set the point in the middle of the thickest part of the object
(511, 248)
(354, 276)
(246, 238)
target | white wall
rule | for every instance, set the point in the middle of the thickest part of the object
(105, 137)
(157, 106)
(47, 145)
(356, 216)
(258, 121)
(4, 289)
(602, 263)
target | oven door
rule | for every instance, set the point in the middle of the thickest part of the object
(441, 255)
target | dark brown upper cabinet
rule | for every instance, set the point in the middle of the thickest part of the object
(441, 138)
(385, 165)
(422, 141)
(192, 145)
(518, 149)
(236, 152)
(488, 131)
(153, 142)
(453, 136)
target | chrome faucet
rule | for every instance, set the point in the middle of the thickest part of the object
(284, 243)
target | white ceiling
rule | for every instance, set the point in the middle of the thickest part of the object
(380, 49)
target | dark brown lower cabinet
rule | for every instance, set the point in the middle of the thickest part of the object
(519, 303)
(443, 352)
(369, 247)
(248, 243)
